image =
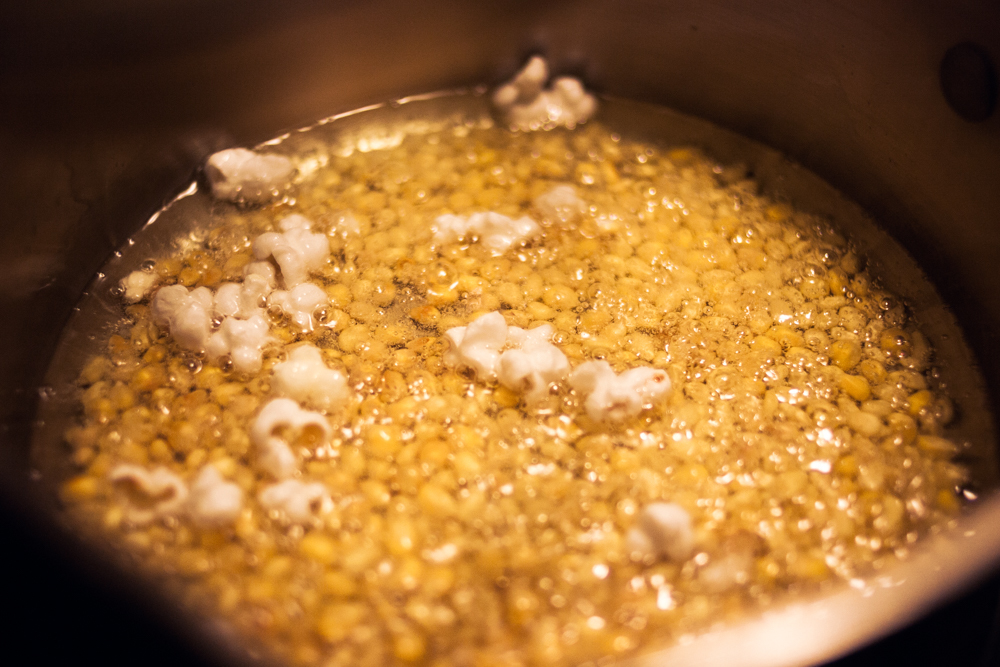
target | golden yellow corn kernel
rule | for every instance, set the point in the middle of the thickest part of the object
(785, 335)
(188, 276)
(168, 267)
(319, 547)
(872, 371)
(506, 398)
(856, 387)
(766, 345)
(919, 400)
(936, 446)
(338, 584)
(193, 562)
(560, 297)
(467, 438)
(427, 316)
(903, 426)
(384, 440)
(538, 311)
(865, 423)
(847, 466)
(211, 276)
(778, 212)
(435, 500)
(810, 567)
(845, 354)
(353, 338)
(838, 281)
(195, 459)
(400, 536)
(383, 293)
(235, 264)
(441, 295)
(895, 341)
(467, 464)
(947, 501)
(95, 370)
(259, 589)
(338, 619)
(82, 487)
(409, 646)
(339, 295)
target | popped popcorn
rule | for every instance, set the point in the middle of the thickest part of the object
(242, 340)
(244, 300)
(525, 105)
(243, 176)
(533, 364)
(495, 231)
(305, 378)
(279, 424)
(561, 203)
(300, 303)
(478, 345)
(148, 494)
(662, 531)
(530, 365)
(213, 502)
(299, 501)
(187, 315)
(616, 397)
(297, 250)
(137, 285)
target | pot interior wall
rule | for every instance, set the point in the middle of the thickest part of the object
(106, 110)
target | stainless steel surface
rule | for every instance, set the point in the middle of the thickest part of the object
(107, 108)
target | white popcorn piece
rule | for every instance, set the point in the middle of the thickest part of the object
(561, 203)
(533, 364)
(243, 176)
(246, 299)
(663, 531)
(136, 285)
(616, 397)
(300, 303)
(188, 315)
(478, 345)
(495, 231)
(149, 494)
(526, 105)
(282, 420)
(525, 86)
(213, 502)
(305, 378)
(298, 501)
(242, 340)
(530, 364)
(296, 249)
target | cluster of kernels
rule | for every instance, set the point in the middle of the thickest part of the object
(802, 435)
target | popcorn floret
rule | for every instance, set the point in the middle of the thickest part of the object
(296, 249)
(214, 502)
(663, 531)
(495, 231)
(281, 422)
(305, 378)
(243, 176)
(300, 303)
(296, 499)
(616, 397)
(149, 494)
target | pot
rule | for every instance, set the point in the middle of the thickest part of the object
(108, 110)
